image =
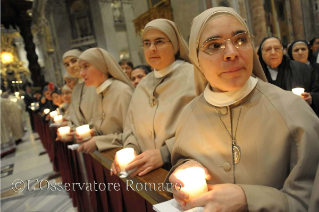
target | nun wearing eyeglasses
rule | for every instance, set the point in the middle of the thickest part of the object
(257, 143)
(159, 98)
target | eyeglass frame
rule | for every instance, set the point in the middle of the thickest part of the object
(143, 46)
(201, 48)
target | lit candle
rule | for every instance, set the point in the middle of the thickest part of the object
(16, 94)
(124, 157)
(84, 132)
(298, 91)
(22, 97)
(63, 131)
(32, 108)
(46, 111)
(58, 119)
(0, 92)
(53, 114)
(14, 100)
(194, 181)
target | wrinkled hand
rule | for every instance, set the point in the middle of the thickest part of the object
(145, 162)
(220, 197)
(307, 97)
(88, 146)
(115, 168)
(79, 138)
(69, 138)
(180, 196)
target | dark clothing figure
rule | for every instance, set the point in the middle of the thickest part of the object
(292, 74)
(28, 99)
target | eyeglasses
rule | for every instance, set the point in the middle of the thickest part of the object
(158, 43)
(276, 48)
(217, 45)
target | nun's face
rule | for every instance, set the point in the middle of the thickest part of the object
(300, 52)
(315, 45)
(72, 66)
(160, 55)
(70, 83)
(229, 69)
(66, 96)
(272, 52)
(91, 76)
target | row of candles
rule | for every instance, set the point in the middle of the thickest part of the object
(193, 178)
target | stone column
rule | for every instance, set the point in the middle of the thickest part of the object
(258, 20)
(297, 19)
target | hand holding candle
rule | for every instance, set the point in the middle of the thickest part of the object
(46, 111)
(63, 131)
(84, 132)
(124, 157)
(298, 91)
(53, 114)
(58, 119)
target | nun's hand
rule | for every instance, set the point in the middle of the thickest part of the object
(180, 196)
(145, 162)
(88, 146)
(220, 197)
(115, 169)
(70, 136)
(79, 139)
(307, 97)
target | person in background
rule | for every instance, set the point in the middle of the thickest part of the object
(28, 99)
(114, 91)
(66, 94)
(127, 67)
(314, 50)
(300, 51)
(56, 98)
(159, 98)
(237, 121)
(37, 95)
(138, 73)
(288, 74)
(70, 81)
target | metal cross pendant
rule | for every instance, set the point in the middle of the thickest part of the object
(152, 101)
(236, 153)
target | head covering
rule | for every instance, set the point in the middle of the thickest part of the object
(198, 25)
(56, 91)
(147, 69)
(68, 76)
(104, 62)
(170, 29)
(65, 87)
(284, 66)
(72, 53)
(291, 46)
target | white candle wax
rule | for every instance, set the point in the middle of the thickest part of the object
(194, 181)
(124, 157)
(63, 131)
(298, 91)
(53, 114)
(58, 119)
(32, 108)
(46, 111)
(22, 97)
(0, 91)
(84, 132)
(16, 94)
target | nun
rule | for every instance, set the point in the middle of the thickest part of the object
(83, 97)
(257, 143)
(70, 81)
(114, 90)
(159, 98)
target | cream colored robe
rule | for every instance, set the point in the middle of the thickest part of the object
(278, 134)
(114, 104)
(83, 103)
(154, 127)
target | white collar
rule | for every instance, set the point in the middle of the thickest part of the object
(81, 80)
(222, 99)
(104, 85)
(168, 69)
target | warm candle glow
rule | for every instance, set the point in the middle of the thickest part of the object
(194, 181)
(32, 108)
(58, 119)
(13, 81)
(6, 57)
(298, 91)
(16, 94)
(53, 114)
(46, 111)
(124, 157)
(0, 92)
(84, 132)
(22, 97)
(63, 131)
(14, 100)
